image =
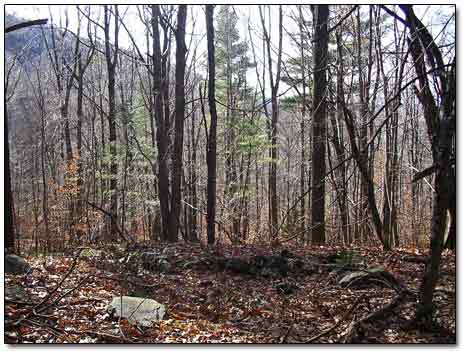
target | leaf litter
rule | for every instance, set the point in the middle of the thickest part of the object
(210, 306)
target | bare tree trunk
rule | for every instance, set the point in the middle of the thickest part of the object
(211, 144)
(35, 190)
(321, 16)
(274, 202)
(179, 124)
(103, 166)
(80, 72)
(10, 236)
(41, 105)
(341, 186)
(193, 176)
(111, 59)
(64, 80)
(440, 120)
(364, 156)
(161, 132)
(357, 155)
(302, 128)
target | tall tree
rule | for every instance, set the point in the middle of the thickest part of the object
(111, 56)
(440, 118)
(232, 63)
(319, 123)
(82, 66)
(274, 83)
(179, 123)
(390, 190)
(10, 236)
(211, 154)
(302, 123)
(61, 61)
(336, 119)
(357, 153)
(159, 117)
(64, 68)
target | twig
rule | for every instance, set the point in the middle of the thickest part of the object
(18, 302)
(99, 334)
(284, 338)
(67, 293)
(94, 333)
(70, 270)
(36, 311)
(221, 225)
(380, 313)
(377, 314)
(110, 215)
(345, 316)
(56, 330)
(53, 330)
(343, 19)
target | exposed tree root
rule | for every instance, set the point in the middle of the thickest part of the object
(344, 317)
(356, 329)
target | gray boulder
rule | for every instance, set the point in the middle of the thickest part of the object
(16, 265)
(137, 310)
(375, 276)
(155, 262)
(351, 277)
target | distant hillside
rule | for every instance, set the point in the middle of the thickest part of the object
(28, 39)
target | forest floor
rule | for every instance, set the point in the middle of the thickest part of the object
(67, 303)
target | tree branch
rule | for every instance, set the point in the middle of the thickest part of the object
(25, 25)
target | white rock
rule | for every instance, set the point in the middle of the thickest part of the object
(137, 310)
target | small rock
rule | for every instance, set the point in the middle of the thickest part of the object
(152, 261)
(295, 265)
(363, 278)
(15, 293)
(268, 266)
(137, 310)
(16, 265)
(267, 273)
(236, 265)
(278, 264)
(286, 288)
(90, 253)
(351, 277)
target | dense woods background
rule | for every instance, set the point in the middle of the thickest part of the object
(309, 125)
